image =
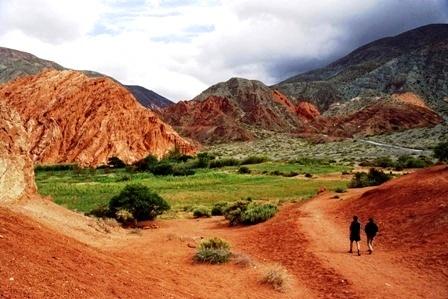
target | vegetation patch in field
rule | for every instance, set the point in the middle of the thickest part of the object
(213, 251)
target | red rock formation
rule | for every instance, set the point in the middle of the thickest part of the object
(234, 111)
(306, 110)
(73, 118)
(381, 117)
(16, 167)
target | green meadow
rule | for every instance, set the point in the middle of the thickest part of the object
(87, 189)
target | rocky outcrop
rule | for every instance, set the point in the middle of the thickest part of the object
(390, 114)
(73, 118)
(16, 167)
(235, 111)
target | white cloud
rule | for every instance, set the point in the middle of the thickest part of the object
(178, 48)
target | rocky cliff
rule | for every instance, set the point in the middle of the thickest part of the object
(16, 167)
(73, 118)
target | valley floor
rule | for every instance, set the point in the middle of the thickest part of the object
(309, 239)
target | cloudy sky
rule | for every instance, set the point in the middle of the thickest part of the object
(179, 47)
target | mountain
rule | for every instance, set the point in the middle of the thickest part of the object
(149, 98)
(236, 110)
(14, 64)
(414, 61)
(73, 118)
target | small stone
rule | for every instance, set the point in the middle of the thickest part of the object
(388, 285)
(1, 237)
(191, 245)
(11, 279)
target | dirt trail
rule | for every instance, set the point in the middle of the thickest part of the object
(371, 276)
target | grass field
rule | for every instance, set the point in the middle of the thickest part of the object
(89, 189)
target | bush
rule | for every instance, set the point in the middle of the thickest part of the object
(253, 160)
(101, 212)
(219, 208)
(183, 171)
(115, 162)
(140, 201)
(340, 190)
(441, 151)
(247, 212)
(203, 160)
(373, 178)
(407, 161)
(258, 213)
(163, 169)
(384, 162)
(223, 162)
(277, 277)
(147, 163)
(244, 170)
(308, 175)
(213, 251)
(125, 217)
(311, 161)
(201, 211)
(175, 156)
(290, 174)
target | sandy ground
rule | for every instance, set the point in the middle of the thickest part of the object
(48, 253)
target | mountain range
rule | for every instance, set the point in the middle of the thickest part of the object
(392, 84)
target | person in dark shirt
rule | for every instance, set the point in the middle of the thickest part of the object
(355, 234)
(371, 230)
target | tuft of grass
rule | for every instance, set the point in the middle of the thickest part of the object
(213, 251)
(276, 276)
(242, 260)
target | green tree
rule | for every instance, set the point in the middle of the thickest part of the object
(140, 201)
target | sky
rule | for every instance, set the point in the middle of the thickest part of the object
(180, 47)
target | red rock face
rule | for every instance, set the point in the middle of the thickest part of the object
(233, 110)
(73, 118)
(381, 117)
(306, 110)
(16, 167)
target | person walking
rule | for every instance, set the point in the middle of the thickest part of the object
(355, 234)
(371, 230)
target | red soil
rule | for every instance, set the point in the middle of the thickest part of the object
(309, 239)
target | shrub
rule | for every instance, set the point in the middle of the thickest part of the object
(311, 161)
(115, 162)
(201, 211)
(219, 208)
(124, 178)
(276, 276)
(253, 160)
(146, 164)
(101, 212)
(213, 251)
(125, 217)
(223, 162)
(175, 156)
(407, 161)
(244, 170)
(203, 160)
(340, 190)
(246, 212)
(163, 169)
(441, 151)
(182, 171)
(373, 178)
(276, 172)
(308, 175)
(258, 213)
(383, 162)
(290, 174)
(359, 180)
(140, 201)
